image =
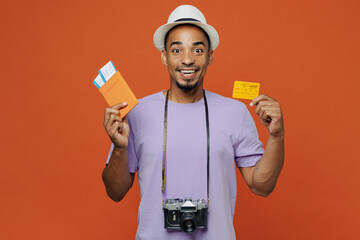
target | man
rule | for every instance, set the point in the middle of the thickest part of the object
(188, 138)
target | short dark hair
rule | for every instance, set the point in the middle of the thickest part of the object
(186, 24)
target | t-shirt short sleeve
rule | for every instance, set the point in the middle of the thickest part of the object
(249, 148)
(133, 160)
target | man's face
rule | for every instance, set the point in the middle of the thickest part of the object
(187, 56)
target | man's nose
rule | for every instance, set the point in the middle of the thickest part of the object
(187, 58)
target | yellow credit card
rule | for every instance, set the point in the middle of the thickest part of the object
(246, 90)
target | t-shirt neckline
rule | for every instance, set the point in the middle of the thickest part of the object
(201, 101)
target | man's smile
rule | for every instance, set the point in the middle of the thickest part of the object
(188, 73)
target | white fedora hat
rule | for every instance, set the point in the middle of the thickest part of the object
(185, 14)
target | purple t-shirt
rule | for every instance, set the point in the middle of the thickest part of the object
(233, 138)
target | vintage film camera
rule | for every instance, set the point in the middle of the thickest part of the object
(186, 215)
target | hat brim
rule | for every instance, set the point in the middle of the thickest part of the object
(159, 36)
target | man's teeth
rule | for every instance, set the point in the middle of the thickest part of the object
(187, 71)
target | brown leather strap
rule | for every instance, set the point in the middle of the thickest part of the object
(165, 143)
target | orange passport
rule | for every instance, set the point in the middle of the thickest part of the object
(116, 90)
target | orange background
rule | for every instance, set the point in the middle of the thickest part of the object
(53, 148)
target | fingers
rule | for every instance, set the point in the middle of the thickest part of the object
(108, 113)
(114, 110)
(112, 120)
(259, 98)
(116, 128)
(267, 108)
(269, 111)
(264, 112)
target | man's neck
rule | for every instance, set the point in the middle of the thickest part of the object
(178, 95)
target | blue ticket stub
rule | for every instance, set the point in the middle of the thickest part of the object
(98, 82)
(107, 71)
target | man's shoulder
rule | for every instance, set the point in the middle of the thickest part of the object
(147, 103)
(152, 98)
(224, 102)
(227, 111)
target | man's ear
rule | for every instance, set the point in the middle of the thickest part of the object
(211, 56)
(163, 57)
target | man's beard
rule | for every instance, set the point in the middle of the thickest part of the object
(188, 86)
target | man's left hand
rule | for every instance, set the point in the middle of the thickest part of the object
(269, 111)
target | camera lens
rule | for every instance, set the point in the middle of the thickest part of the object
(188, 222)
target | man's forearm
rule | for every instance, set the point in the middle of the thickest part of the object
(268, 168)
(116, 176)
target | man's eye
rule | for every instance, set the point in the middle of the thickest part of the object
(176, 51)
(198, 50)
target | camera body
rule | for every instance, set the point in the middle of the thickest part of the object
(186, 215)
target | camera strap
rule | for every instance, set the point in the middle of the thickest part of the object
(165, 143)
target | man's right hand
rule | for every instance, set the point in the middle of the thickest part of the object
(118, 129)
